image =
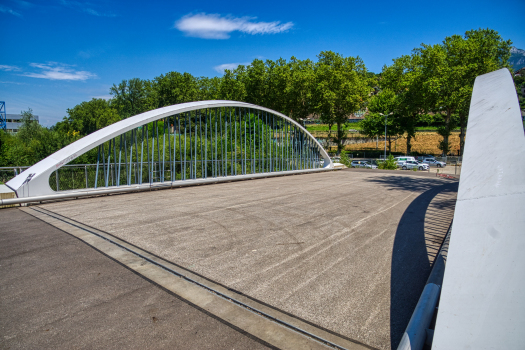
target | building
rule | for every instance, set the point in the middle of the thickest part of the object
(14, 122)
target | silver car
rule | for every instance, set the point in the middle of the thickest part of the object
(410, 164)
(434, 162)
(363, 164)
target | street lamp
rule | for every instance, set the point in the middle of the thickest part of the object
(386, 115)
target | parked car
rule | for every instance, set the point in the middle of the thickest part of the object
(434, 162)
(363, 164)
(420, 158)
(411, 164)
(403, 159)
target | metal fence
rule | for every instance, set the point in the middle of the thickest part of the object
(7, 173)
(450, 159)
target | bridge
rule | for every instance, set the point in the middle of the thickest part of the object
(188, 143)
(341, 259)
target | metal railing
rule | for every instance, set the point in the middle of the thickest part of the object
(198, 144)
(7, 173)
(85, 176)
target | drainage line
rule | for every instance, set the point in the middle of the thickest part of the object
(252, 309)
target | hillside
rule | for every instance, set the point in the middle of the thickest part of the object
(517, 58)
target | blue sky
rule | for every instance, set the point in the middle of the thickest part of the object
(58, 53)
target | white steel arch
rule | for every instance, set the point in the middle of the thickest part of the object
(34, 181)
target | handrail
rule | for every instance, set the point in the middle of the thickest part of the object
(415, 334)
(154, 186)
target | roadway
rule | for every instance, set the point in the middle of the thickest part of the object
(347, 251)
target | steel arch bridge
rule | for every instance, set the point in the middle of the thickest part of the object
(183, 143)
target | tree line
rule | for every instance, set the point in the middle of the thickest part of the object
(432, 84)
(436, 82)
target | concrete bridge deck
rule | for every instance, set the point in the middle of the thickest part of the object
(347, 251)
(58, 293)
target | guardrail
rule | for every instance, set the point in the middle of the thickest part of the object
(153, 186)
(7, 173)
(418, 332)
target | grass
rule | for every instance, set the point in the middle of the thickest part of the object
(324, 127)
(357, 126)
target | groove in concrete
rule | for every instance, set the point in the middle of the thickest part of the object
(243, 318)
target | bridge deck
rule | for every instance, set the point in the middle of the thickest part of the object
(348, 251)
(58, 293)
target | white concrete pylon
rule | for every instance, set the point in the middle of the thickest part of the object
(482, 303)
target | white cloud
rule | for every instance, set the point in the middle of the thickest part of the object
(23, 3)
(213, 26)
(230, 66)
(7, 68)
(12, 82)
(58, 71)
(81, 7)
(96, 13)
(4, 9)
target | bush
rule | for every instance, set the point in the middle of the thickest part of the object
(345, 160)
(390, 163)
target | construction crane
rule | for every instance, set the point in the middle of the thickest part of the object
(3, 120)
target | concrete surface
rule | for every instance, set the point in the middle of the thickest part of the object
(58, 293)
(482, 304)
(234, 308)
(449, 170)
(349, 250)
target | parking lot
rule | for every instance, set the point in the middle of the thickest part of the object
(451, 167)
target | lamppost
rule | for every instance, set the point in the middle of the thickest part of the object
(386, 115)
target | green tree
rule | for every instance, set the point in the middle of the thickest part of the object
(341, 88)
(88, 117)
(519, 82)
(278, 85)
(33, 142)
(174, 87)
(232, 85)
(256, 83)
(299, 88)
(404, 79)
(373, 125)
(449, 70)
(134, 96)
(209, 88)
(7, 141)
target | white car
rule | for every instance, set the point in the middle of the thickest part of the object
(363, 164)
(434, 162)
(411, 164)
(403, 159)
